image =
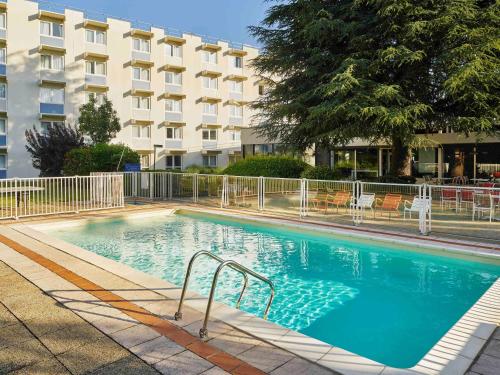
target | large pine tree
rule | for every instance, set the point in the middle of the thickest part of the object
(378, 69)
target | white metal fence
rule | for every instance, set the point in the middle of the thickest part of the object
(446, 208)
(23, 197)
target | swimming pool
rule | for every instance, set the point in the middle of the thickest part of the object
(377, 300)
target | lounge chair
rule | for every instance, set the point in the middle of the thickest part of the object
(415, 206)
(340, 199)
(365, 201)
(389, 204)
(450, 196)
(483, 204)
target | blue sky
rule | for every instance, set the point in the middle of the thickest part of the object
(225, 19)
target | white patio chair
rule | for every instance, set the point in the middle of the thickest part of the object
(415, 206)
(364, 201)
(483, 204)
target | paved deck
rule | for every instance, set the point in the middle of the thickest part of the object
(488, 361)
(101, 323)
(39, 336)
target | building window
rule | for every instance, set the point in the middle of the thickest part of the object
(172, 105)
(262, 90)
(140, 102)
(141, 45)
(51, 95)
(96, 68)
(3, 126)
(3, 162)
(236, 111)
(236, 136)
(173, 78)
(3, 91)
(45, 125)
(210, 161)
(173, 50)
(174, 133)
(236, 62)
(3, 21)
(210, 83)
(236, 86)
(141, 74)
(209, 108)
(209, 57)
(100, 97)
(52, 62)
(141, 131)
(95, 36)
(145, 161)
(53, 29)
(3, 55)
(174, 162)
(209, 134)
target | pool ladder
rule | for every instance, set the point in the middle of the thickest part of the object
(244, 271)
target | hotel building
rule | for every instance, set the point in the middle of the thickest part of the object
(181, 98)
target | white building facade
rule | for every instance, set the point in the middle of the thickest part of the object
(182, 99)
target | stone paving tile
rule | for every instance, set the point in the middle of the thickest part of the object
(6, 318)
(14, 334)
(70, 337)
(157, 350)
(215, 371)
(130, 365)
(298, 366)
(48, 367)
(493, 348)
(110, 325)
(23, 354)
(135, 335)
(235, 342)
(265, 358)
(486, 365)
(92, 356)
(183, 363)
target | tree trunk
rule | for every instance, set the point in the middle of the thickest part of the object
(401, 158)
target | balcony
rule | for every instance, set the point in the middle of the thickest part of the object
(141, 85)
(175, 144)
(173, 116)
(141, 144)
(210, 70)
(96, 48)
(142, 116)
(235, 96)
(52, 109)
(3, 105)
(209, 119)
(141, 56)
(3, 34)
(53, 76)
(95, 80)
(175, 89)
(236, 121)
(51, 42)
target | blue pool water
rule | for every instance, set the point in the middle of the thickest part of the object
(384, 303)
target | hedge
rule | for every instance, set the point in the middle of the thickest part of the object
(268, 166)
(321, 172)
(98, 158)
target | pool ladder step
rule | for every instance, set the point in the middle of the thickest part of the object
(244, 271)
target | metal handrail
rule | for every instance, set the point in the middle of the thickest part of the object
(223, 263)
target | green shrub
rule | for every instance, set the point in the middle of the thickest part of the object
(98, 158)
(321, 172)
(268, 166)
(391, 179)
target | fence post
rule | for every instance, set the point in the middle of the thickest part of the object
(170, 185)
(151, 187)
(16, 200)
(77, 196)
(195, 188)
(356, 209)
(260, 192)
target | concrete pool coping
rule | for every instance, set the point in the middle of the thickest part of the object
(453, 354)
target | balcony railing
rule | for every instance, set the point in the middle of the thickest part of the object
(51, 109)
